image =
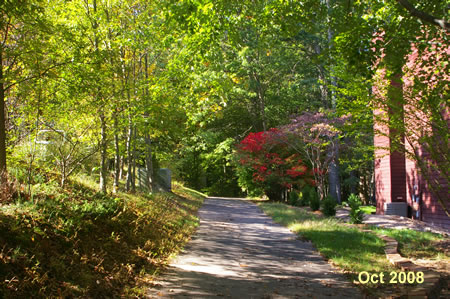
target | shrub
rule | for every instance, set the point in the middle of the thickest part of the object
(356, 214)
(329, 206)
(314, 201)
(294, 198)
(303, 200)
(7, 189)
(265, 163)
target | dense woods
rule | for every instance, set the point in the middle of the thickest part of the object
(235, 97)
(108, 87)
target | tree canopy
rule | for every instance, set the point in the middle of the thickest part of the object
(149, 84)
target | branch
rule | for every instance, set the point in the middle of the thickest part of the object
(424, 16)
(41, 74)
(80, 161)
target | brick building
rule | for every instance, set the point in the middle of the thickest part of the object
(400, 188)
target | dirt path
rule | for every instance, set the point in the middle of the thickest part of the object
(238, 252)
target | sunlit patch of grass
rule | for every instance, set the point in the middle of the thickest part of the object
(180, 188)
(416, 244)
(85, 180)
(368, 209)
(346, 247)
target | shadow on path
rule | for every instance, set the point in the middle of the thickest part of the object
(238, 252)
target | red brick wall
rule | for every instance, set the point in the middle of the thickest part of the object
(382, 165)
(397, 178)
(430, 209)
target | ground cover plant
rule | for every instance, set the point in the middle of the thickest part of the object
(329, 206)
(356, 214)
(76, 242)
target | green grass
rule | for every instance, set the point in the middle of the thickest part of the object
(75, 242)
(415, 244)
(355, 251)
(347, 247)
(368, 209)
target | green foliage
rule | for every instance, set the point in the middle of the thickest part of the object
(356, 214)
(304, 199)
(313, 199)
(294, 198)
(368, 209)
(80, 243)
(329, 206)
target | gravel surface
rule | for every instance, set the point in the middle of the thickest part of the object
(238, 252)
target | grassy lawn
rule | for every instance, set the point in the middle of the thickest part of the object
(354, 251)
(415, 244)
(368, 209)
(75, 242)
(347, 247)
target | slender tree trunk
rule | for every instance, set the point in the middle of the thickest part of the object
(117, 171)
(334, 170)
(262, 108)
(103, 153)
(149, 162)
(323, 88)
(353, 179)
(133, 174)
(63, 173)
(122, 165)
(333, 176)
(330, 35)
(129, 153)
(2, 121)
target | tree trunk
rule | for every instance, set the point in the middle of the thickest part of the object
(333, 178)
(148, 140)
(2, 120)
(353, 179)
(103, 153)
(63, 173)
(122, 165)
(129, 153)
(133, 173)
(117, 169)
(149, 163)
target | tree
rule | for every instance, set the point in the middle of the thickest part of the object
(22, 25)
(383, 35)
(424, 16)
(316, 137)
(267, 163)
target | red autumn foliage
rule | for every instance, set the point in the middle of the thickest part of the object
(270, 163)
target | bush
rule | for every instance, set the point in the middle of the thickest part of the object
(329, 206)
(294, 198)
(356, 214)
(314, 201)
(7, 189)
(264, 162)
(303, 198)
